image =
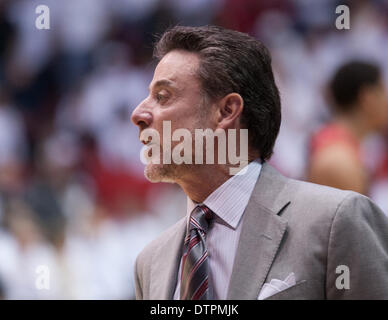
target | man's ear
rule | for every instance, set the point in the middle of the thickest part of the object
(229, 110)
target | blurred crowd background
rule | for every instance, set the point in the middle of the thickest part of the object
(72, 192)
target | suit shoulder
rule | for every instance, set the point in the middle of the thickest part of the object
(319, 204)
(320, 194)
(329, 196)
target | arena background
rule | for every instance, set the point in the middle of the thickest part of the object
(73, 200)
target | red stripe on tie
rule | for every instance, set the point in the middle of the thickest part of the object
(192, 243)
(196, 266)
(200, 291)
(207, 212)
(195, 223)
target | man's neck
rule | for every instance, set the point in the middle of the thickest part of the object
(202, 180)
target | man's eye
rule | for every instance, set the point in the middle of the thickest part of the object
(161, 97)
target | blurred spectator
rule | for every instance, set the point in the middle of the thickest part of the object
(360, 105)
(13, 146)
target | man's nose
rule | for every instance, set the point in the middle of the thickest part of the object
(141, 116)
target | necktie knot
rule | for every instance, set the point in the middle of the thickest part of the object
(200, 218)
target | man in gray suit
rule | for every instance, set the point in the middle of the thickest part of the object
(257, 235)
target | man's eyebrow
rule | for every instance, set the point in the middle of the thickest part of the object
(163, 82)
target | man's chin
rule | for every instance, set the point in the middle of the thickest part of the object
(159, 173)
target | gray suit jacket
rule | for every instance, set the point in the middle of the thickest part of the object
(288, 226)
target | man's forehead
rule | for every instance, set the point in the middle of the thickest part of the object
(175, 67)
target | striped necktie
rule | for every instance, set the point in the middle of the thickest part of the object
(194, 276)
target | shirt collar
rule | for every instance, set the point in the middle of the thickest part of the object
(230, 199)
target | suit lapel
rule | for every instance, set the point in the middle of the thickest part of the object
(261, 235)
(165, 270)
